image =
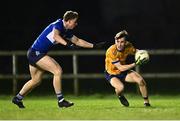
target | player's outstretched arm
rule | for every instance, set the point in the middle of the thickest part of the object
(81, 42)
(99, 45)
(71, 45)
(85, 44)
(60, 40)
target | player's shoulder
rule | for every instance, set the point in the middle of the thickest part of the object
(111, 50)
(58, 24)
(58, 21)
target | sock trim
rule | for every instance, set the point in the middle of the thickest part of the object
(60, 97)
(145, 97)
(19, 96)
(61, 100)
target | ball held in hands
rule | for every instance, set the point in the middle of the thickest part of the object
(141, 57)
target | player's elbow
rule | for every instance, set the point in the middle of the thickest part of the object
(77, 42)
(55, 37)
(122, 69)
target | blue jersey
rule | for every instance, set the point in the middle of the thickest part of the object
(45, 40)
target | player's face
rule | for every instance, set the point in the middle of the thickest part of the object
(120, 43)
(72, 23)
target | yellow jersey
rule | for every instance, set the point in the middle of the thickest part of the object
(113, 55)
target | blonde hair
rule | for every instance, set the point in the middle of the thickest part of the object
(68, 15)
(121, 34)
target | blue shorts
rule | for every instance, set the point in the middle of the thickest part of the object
(34, 56)
(120, 76)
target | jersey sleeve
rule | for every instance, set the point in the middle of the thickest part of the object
(112, 56)
(58, 26)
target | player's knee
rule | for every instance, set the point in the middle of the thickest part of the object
(58, 71)
(141, 82)
(119, 89)
(38, 82)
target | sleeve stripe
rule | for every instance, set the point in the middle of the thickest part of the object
(115, 62)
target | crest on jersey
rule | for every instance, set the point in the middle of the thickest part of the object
(37, 53)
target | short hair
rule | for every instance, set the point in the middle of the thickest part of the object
(121, 34)
(68, 15)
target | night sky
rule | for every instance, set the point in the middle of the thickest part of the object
(151, 24)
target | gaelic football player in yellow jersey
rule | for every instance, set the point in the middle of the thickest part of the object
(118, 72)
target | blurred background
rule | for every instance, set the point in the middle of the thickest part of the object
(151, 24)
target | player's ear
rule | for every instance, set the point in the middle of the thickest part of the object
(115, 40)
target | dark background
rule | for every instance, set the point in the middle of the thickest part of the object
(151, 24)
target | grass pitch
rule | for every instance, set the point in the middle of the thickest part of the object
(96, 107)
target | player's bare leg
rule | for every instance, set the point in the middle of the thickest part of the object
(49, 64)
(36, 76)
(137, 78)
(119, 87)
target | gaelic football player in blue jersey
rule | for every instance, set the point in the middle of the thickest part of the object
(58, 32)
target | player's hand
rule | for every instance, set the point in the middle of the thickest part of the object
(99, 45)
(140, 62)
(71, 45)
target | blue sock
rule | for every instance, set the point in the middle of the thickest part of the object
(19, 97)
(60, 97)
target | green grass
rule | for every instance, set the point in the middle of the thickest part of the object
(92, 107)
